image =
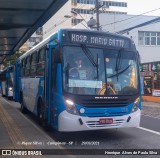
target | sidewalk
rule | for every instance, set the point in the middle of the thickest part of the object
(151, 99)
(18, 132)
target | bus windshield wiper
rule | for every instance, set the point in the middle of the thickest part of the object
(118, 73)
(89, 55)
(118, 60)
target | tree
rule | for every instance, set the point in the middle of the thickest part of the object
(11, 60)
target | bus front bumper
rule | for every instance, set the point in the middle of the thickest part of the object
(68, 122)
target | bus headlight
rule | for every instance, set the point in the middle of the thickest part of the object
(10, 88)
(70, 107)
(135, 105)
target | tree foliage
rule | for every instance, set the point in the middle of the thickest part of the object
(11, 60)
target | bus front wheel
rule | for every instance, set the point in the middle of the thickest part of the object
(40, 115)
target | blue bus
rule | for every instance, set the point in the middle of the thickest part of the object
(77, 80)
(6, 77)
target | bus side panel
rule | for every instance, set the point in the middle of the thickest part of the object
(32, 89)
(37, 91)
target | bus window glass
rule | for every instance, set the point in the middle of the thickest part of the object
(33, 64)
(41, 62)
(83, 74)
(27, 66)
(22, 68)
(121, 72)
(92, 71)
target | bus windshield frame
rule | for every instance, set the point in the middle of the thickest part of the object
(106, 71)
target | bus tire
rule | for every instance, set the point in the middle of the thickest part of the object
(40, 112)
(40, 115)
(9, 98)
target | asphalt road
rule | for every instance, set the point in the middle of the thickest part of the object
(151, 123)
(147, 136)
(150, 118)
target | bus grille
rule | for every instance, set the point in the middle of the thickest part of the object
(93, 124)
(104, 103)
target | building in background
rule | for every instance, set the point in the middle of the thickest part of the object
(33, 40)
(76, 11)
(151, 78)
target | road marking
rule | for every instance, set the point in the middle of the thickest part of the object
(149, 130)
(150, 116)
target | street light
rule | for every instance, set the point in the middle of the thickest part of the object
(74, 12)
(70, 16)
(67, 16)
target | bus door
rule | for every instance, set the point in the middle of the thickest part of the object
(49, 83)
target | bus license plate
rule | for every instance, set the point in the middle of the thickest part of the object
(106, 121)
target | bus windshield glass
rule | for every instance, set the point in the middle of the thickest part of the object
(95, 71)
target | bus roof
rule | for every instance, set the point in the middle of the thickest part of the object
(94, 37)
(97, 38)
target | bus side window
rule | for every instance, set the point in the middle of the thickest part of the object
(33, 64)
(41, 62)
(27, 67)
(22, 68)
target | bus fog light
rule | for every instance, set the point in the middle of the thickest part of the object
(82, 110)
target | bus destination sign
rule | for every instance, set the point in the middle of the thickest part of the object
(99, 39)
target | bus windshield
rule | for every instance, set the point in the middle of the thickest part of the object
(95, 71)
